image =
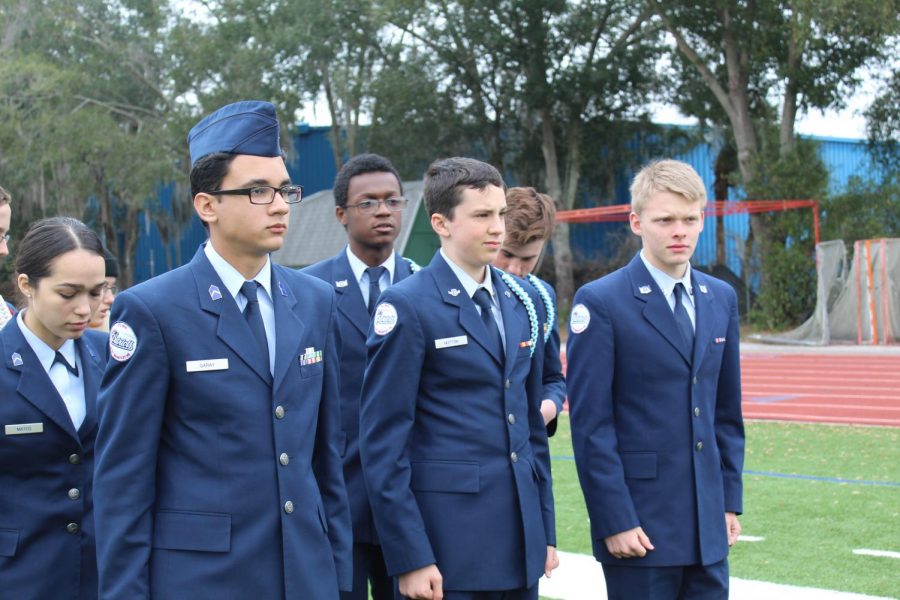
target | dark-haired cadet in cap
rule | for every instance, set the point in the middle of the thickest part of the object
(218, 468)
(100, 318)
(368, 198)
(50, 373)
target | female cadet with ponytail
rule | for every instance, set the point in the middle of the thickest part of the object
(50, 373)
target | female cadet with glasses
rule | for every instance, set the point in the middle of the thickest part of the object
(52, 365)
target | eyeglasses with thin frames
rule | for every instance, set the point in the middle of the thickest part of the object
(265, 194)
(369, 206)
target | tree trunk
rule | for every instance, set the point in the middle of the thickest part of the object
(562, 250)
(789, 107)
(335, 132)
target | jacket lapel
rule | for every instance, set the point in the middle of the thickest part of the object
(705, 316)
(349, 296)
(402, 270)
(232, 328)
(92, 372)
(656, 309)
(34, 383)
(288, 326)
(453, 293)
(515, 319)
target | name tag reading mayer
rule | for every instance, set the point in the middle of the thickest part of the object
(460, 340)
(210, 364)
(23, 428)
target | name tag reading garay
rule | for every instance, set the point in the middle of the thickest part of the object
(210, 364)
(460, 340)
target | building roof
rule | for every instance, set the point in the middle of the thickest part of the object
(315, 234)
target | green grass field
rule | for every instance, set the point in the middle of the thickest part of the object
(810, 526)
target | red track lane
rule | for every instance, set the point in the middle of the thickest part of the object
(822, 388)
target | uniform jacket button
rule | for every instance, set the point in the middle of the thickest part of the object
(284, 459)
(74, 494)
(699, 446)
(279, 412)
(74, 459)
(511, 418)
(513, 457)
(288, 507)
(72, 528)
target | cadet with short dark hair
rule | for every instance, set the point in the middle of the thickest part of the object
(368, 197)
(218, 461)
(453, 445)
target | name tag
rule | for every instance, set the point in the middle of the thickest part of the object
(210, 364)
(23, 428)
(460, 340)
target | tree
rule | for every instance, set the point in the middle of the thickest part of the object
(533, 78)
(86, 110)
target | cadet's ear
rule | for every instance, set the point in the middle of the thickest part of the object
(340, 212)
(205, 205)
(439, 224)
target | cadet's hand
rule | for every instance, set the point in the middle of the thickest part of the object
(733, 527)
(629, 544)
(552, 561)
(422, 584)
(548, 410)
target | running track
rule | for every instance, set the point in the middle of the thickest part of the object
(852, 388)
(822, 388)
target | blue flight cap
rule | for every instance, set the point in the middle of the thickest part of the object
(248, 127)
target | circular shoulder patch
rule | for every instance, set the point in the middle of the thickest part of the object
(385, 318)
(122, 341)
(580, 319)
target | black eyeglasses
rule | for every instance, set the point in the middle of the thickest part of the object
(265, 194)
(370, 205)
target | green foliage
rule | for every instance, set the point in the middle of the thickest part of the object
(866, 210)
(786, 255)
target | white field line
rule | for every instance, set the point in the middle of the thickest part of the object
(880, 553)
(750, 538)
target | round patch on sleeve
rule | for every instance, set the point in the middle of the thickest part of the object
(385, 318)
(580, 319)
(122, 341)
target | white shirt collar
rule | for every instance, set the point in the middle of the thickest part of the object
(359, 267)
(45, 354)
(232, 278)
(469, 284)
(666, 282)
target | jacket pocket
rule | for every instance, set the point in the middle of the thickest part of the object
(639, 465)
(188, 530)
(9, 539)
(461, 477)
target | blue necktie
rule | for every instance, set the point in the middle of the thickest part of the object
(59, 358)
(374, 287)
(683, 319)
(254, 317)
(482, 298)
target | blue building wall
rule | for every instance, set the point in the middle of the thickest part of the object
(311, 163)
